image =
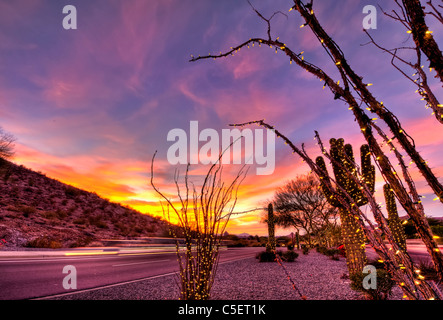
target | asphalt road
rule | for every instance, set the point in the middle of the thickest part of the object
(26, 278)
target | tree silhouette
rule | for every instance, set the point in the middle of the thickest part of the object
(301, 204)
(6, 145)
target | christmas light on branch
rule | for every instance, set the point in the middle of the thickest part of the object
(353, 237)
(394, 221)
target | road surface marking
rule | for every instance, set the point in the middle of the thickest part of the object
(145, 262)
(144, 253)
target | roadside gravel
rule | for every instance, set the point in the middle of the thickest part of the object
(316, 276)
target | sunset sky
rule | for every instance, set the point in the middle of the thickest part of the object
(90, 106)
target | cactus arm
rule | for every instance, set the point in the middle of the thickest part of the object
(394, 222)
(325, 184)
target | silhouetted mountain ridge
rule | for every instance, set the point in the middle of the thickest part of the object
(37, 211)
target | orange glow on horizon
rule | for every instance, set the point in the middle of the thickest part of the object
(127, 182)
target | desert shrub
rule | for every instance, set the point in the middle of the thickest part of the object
(81, 242)
(383, 288)
(44, 242)
(49, 214)
(27, 210)
(104, 203)
(124, 230)
(79, 221)
(71, 210)
(97, 221)
(268, 256)
(61, 214)
(304, 249)
(14, 191)
(332, 253)
(72, 192)
(329, 252)
(289, 256)
(137, 229)
(321, 249)
(150, 228)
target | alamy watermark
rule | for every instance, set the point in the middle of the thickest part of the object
(237, 146)
(70, 20)
(370, 281)
(370, 20)
(70, 281)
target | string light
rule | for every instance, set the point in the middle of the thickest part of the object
(353, 236)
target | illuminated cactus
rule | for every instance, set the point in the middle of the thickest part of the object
(394, 222)
(353, 237)
(270, 246)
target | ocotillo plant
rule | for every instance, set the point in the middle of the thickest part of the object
(342, 164)
(270, 246)
(393, 220)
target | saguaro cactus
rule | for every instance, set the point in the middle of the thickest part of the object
(297, 240)
(270, 246)
(394, 222)
(353, 237)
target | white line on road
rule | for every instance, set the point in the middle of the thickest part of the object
(145, 262)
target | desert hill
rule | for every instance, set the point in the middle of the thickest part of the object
(37, 211)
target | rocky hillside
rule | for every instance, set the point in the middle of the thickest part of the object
(40, 212)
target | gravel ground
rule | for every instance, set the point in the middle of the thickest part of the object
(316, 276)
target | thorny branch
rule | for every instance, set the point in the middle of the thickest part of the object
(399, 263)
(435, 12)
(202, 215)
(363, 120)
(423, 88)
